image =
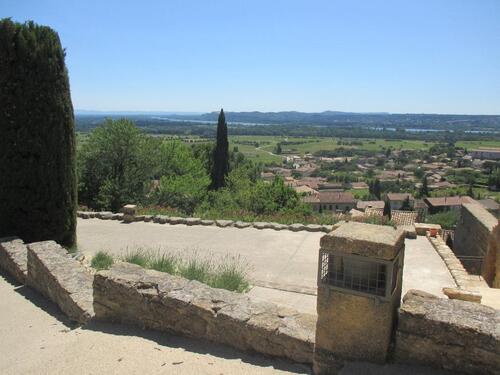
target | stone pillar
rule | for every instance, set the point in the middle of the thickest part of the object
(359, 292)
(129, 212)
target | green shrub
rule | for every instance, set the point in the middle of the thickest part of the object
(102, 261)
(447, 219)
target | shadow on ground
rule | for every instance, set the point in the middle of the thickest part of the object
(199, 346)
(38, 300)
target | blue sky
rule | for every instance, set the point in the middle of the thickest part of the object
(432, 56)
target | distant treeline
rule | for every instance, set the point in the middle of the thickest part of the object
(459, 130)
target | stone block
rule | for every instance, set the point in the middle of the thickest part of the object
(193, 221)
(176, 220)
(130, 294)
(375, 241)
(62, 279)
(314, 228)
(223, 223)
(242, 224)
(130, 209)
(451, 334)
(278, 226)
(14, 258)
(148, 218)
(104, 215)
(354, 327)
(328, 228)
(207, 222)
(296, 227)
(462, 294)
(261, 225)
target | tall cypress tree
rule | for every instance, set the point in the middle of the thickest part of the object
(37, 138)
(220, 165)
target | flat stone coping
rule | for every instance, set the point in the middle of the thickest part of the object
(463, 323)
(163, 219)
(377, 241)
(482, 215)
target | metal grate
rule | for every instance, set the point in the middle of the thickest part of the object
(357, 273)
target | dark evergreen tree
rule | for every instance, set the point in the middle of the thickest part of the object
(387, 209)
(37, 138)
(424, 191)
(377, 188)
(470, 191)
(278, 149)
(220, 166)
(406, 206)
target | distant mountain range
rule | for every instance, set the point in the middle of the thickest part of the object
(328, 118)
(346, 118)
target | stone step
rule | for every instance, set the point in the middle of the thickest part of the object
(62, 279)
(14, 258)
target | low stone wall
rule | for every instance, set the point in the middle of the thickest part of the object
(62, 279)
(494, 248)
(472, 235)
(163, 219)
(130, 294)
(450, 334)
(454, 265)
(14, 258)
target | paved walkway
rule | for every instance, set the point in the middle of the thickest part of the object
(283, 262)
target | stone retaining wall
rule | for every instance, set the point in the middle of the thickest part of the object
(130, 294)
(453, 264)
(61, 278)
(450, 334)
(494, 248)
(163, 219)
(14, 258)
(472, 235)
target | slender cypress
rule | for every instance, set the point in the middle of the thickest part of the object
(37, 138)
(220, 165)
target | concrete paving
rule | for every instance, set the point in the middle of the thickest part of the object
(283, 263)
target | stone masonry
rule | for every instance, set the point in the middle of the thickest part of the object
(130, 294)
(356, 326)
(472, 235)
(14, 258)
(61, 278)
(450, 334)
(494, 248)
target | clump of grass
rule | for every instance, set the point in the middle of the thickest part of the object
(164, 262)
(102, 261)
(231, 275)
(196, 268)
(138, 256)
(227, 272)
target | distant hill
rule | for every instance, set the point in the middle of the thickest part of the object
(346, 118)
